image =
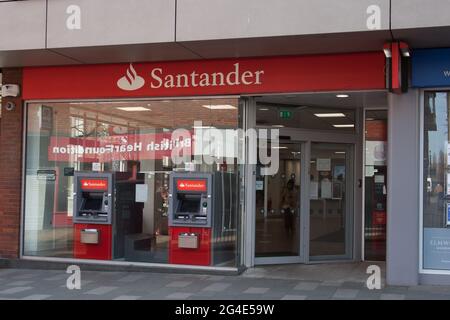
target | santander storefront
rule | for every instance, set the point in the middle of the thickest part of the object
(120, 119)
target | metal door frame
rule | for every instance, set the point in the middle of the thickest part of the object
(349, 208)
(305, 137)
(301, 257)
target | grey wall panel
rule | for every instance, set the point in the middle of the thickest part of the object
(128, 53)
(402, 256)
(111, 22)
(227, 19)
(40, 57)
(290, 45)
(420, 13)
(22, 25)
(424, 37)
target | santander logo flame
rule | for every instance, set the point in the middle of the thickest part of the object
(131, 81)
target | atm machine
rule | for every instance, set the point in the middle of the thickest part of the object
(190, 208)
(92, 215)
(199, 218)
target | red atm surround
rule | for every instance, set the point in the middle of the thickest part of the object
(198, 257)
(198, 185)
(99, 185)
(100, 251)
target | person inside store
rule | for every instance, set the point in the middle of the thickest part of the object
(289, 205)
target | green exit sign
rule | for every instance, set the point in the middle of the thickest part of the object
(285, 114)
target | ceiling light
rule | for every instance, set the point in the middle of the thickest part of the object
(279, 147)
(218, 106)
(278, 126)
(340, 152)
(203, 127)
(343, 125)
(330, 115)
(133, 109)
(342, 96)
(263, 109)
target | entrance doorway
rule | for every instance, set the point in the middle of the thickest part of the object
(311, 209)
(304, 211)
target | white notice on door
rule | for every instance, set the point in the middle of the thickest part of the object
(323, 164)
(141, 193)
(325, 189)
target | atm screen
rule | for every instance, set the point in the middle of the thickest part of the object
(191, 205)
(94, 204)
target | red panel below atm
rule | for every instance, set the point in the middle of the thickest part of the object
(200, 256)
(100, 251)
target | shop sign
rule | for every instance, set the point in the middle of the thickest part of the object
(46, 175)
(191, 185)
(436, 248)
(356, 71)
(431, 68)
(94, 184)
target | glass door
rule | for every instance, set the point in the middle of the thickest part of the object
(304, 212)
(277, 232)
(331, 199)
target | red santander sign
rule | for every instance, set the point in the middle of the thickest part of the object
(191, 185)
(356, 71)
(94, 184)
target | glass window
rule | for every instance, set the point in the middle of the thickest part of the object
(375, 187)
(134, 140)
(436, 183)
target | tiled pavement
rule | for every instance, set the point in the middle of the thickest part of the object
(260, 283)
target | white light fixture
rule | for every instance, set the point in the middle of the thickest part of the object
(279, 147)
(219, 106)
(330, 115)
(263, 109)
(340, 152)
(343, 125)
(203, 127)
(404, 49)
(132, 109)
(342, 95)
(278, 126)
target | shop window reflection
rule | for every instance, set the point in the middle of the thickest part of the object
(87, 136)
(436, 178)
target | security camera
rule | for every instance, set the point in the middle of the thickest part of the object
(10, 106)
(10, 90)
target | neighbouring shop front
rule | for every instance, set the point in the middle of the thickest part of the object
(431, 74)
(156, 163)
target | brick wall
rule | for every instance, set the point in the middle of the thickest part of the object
(10, 170)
